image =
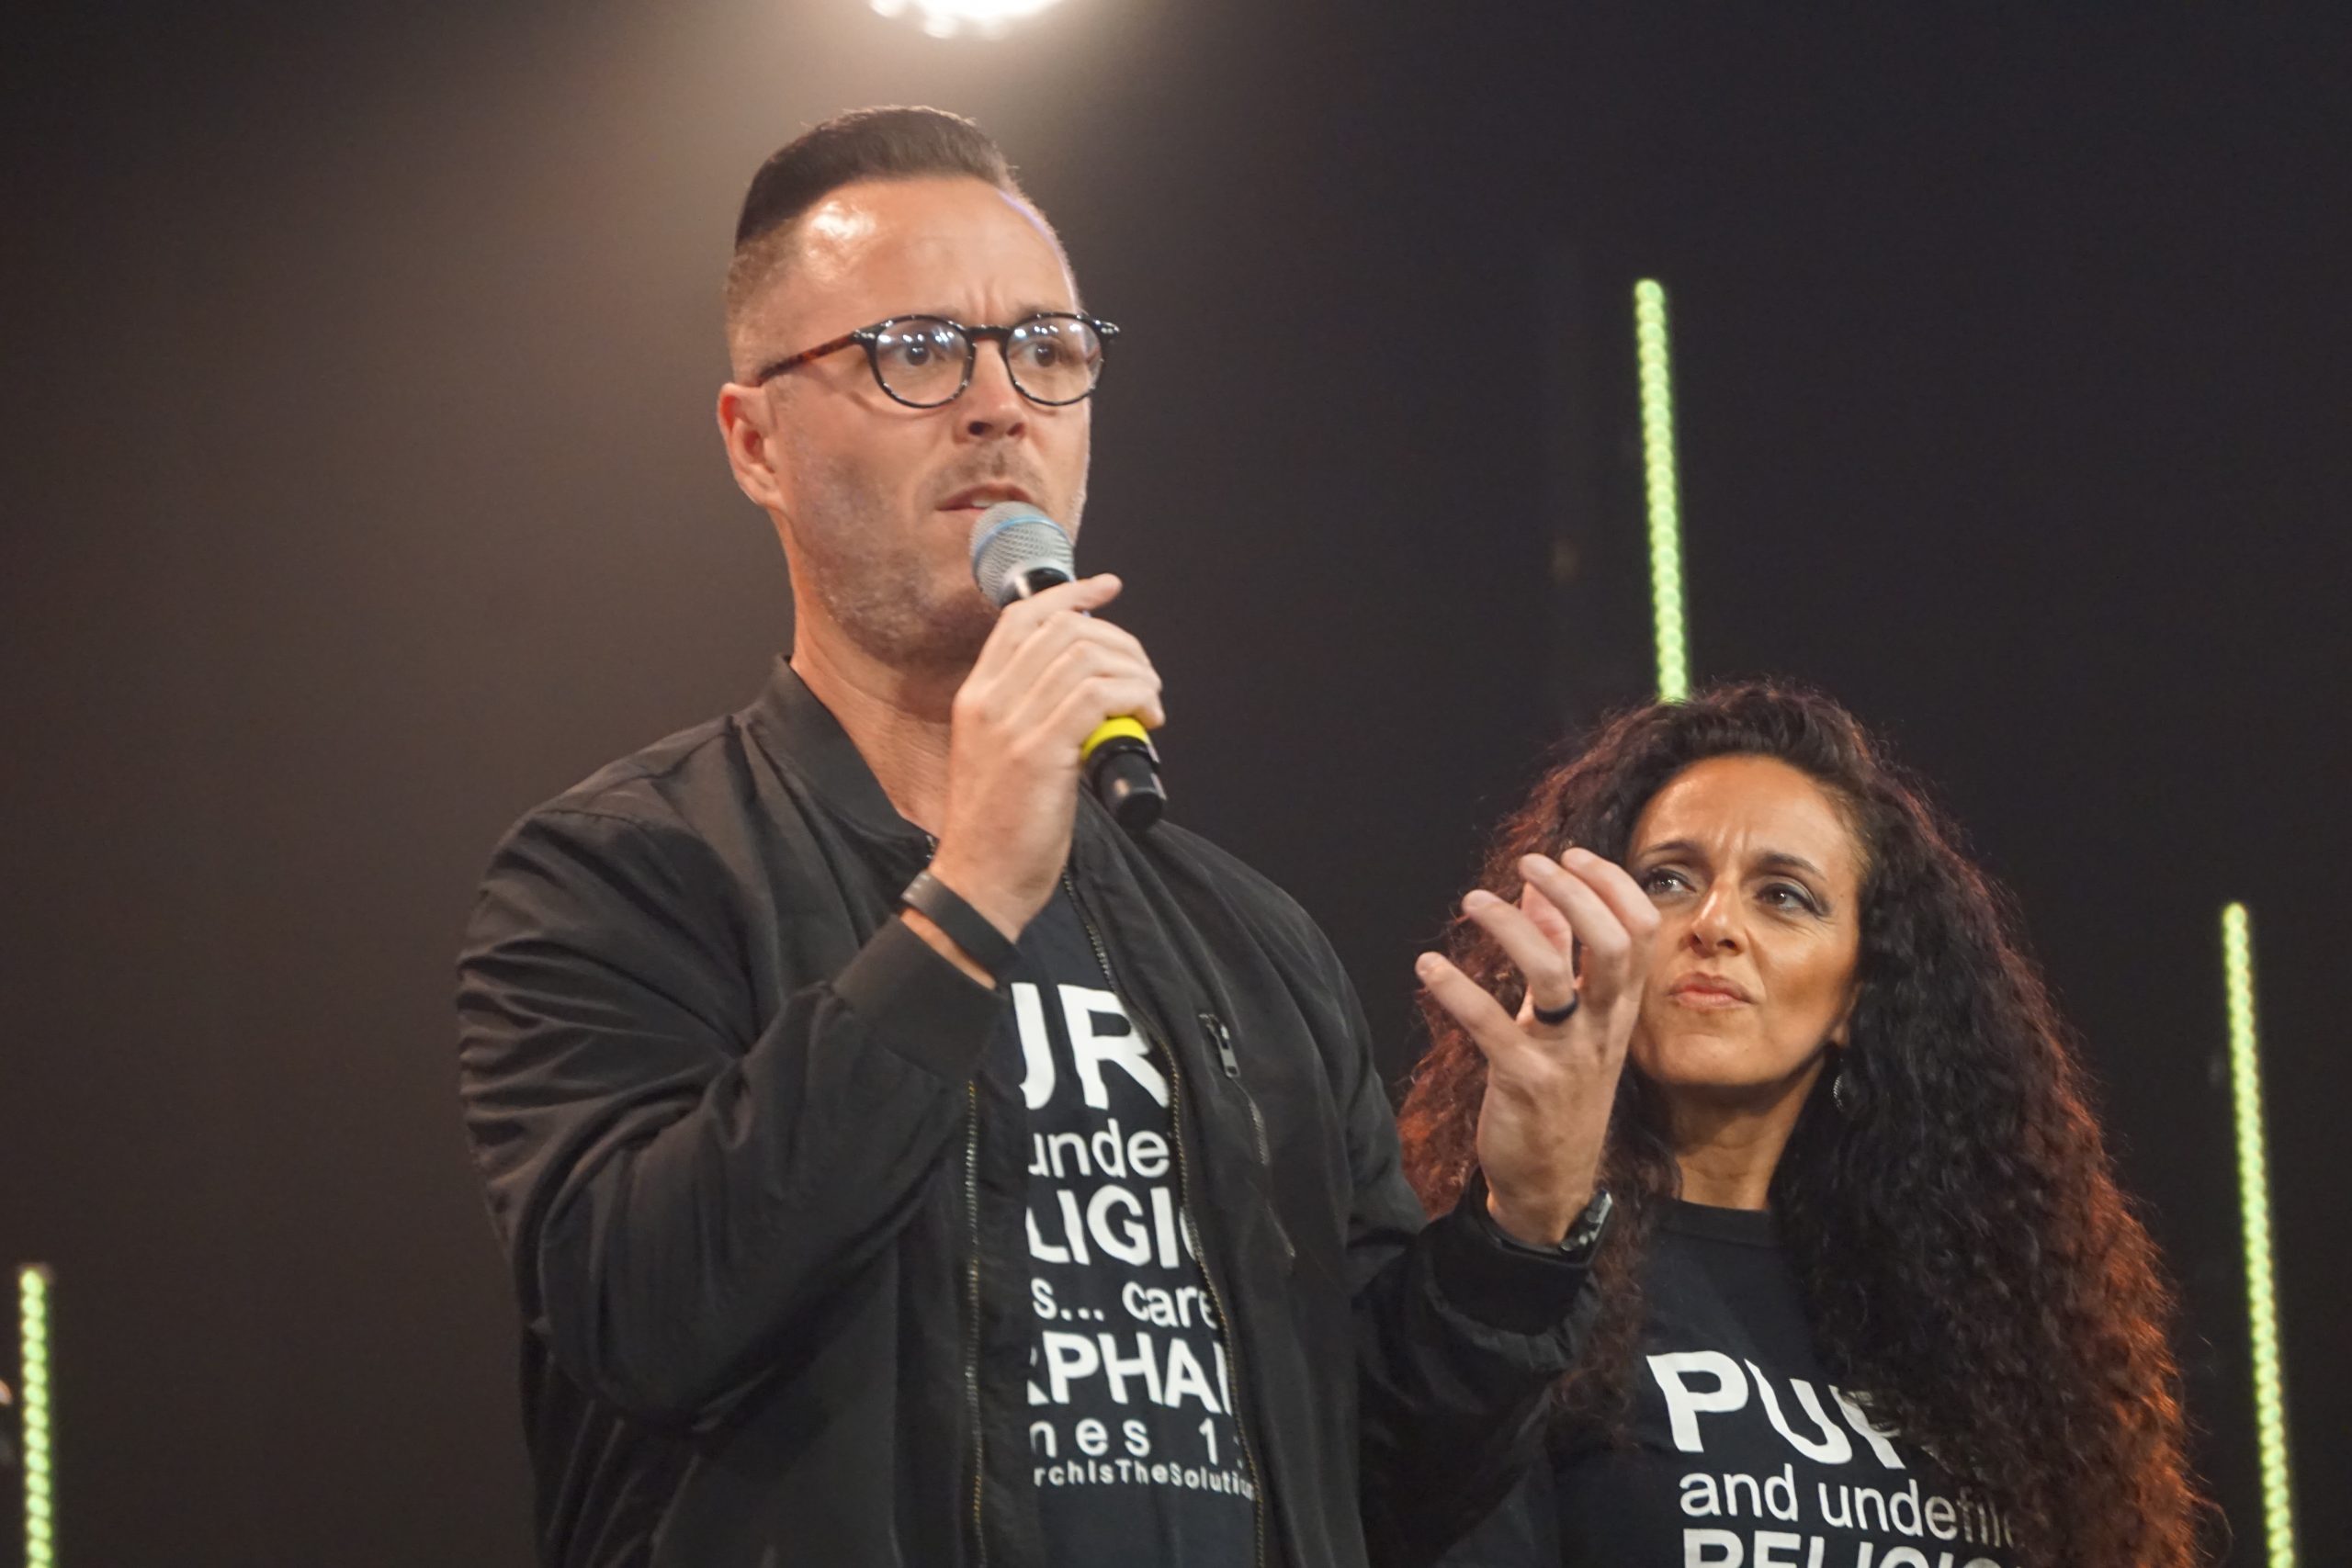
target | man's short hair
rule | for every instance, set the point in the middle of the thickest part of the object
(864, 144)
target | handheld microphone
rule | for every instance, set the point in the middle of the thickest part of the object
(1017, 551)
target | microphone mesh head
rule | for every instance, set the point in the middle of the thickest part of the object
(1012, 539)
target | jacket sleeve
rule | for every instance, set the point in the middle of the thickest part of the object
(674, 1179)
(1460, 1336)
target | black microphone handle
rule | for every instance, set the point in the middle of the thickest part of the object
(1125, 774)
(1122, 772)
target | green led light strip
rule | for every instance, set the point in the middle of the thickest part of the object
(2254, 1207)
(32, 1317)
(1666, 507)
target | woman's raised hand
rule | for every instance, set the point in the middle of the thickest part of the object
(1551, 1070)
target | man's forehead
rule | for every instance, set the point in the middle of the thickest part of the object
(940, 229)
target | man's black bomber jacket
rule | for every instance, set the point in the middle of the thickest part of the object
(764, 1217)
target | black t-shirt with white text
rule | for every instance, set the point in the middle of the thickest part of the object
(1741, 1453)
(1132, 1436)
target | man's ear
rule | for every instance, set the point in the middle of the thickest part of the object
(744, 416)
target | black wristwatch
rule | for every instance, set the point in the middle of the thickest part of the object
(1583, 1239)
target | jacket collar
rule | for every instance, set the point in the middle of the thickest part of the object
(801, 736)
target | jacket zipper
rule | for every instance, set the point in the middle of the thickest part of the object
(1184, 1204)
(1223, 1039)
(972, 1343)
(972, 1291)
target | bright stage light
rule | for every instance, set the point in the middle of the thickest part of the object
(1664, 502)
(946, 19)
(32, 1320)
(2254, 1209)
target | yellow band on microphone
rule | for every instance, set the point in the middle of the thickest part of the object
(1113, 729)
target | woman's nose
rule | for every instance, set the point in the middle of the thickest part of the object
(1715, 925)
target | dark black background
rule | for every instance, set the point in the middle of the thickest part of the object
(363, 490)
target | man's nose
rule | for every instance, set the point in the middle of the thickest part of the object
(992, 406)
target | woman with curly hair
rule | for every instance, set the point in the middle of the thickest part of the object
(1869, 1295)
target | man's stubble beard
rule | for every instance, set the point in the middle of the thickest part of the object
(879, 584)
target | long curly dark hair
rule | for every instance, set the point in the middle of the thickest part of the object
(1964, 1252)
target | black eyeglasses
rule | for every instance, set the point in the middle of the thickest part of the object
(1054, 357)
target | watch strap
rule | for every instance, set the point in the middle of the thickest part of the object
(966, 927)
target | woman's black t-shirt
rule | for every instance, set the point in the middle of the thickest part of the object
(1741, 1453)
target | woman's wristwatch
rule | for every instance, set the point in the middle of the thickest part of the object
(1583, 1239)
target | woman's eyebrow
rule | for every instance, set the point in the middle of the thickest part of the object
(1782, 860)
(1771, 860)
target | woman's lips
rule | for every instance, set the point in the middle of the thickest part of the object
(1706, 993)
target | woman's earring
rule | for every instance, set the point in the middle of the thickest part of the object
(1840, 1095)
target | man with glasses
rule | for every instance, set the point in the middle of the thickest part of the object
(900, 1162)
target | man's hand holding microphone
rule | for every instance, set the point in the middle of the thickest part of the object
(1049, 678)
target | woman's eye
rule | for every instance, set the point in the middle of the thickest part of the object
(1663, 880)
(1785, 895)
